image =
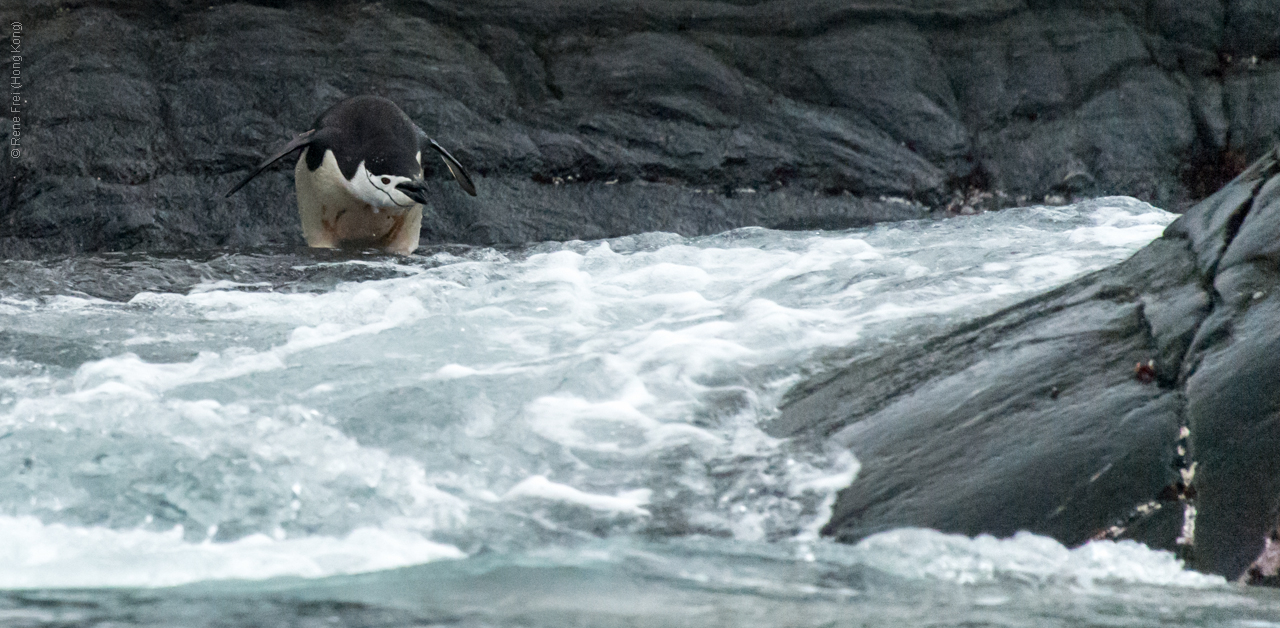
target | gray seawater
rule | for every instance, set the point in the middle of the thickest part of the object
(559, 434)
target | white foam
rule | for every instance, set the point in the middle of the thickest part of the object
(129, 372)
(36, 555)
(624, 377)
(929, 554)
(566, 420)
(624, 503)
(452, 371)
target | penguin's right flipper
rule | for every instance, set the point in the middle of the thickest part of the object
(301, 141)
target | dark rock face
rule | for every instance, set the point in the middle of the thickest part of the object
(587, 119)
(1232, 374)
(1037, 419)
(1032, 419)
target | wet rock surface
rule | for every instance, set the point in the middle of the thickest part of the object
(1128, 404)
(1029, 420)
(589, 119)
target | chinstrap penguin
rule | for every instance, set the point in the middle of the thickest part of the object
(359, 178)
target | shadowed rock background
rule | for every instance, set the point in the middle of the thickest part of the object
(592, 118)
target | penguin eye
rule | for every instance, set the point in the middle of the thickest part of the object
(386, 180)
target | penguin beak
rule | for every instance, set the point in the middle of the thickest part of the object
(415, 189)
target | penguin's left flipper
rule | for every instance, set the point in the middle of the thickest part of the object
(302, 141)
(455, 168)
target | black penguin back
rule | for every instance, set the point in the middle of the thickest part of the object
(368, 129)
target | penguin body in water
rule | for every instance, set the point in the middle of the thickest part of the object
(359, 178)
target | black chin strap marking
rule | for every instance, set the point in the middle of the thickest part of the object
(369, 175)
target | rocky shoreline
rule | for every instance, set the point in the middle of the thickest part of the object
(1140, 402)
(587, 119)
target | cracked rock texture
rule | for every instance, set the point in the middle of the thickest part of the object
(594, 118)
(1036, 418)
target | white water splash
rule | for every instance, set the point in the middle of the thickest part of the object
(501, 400)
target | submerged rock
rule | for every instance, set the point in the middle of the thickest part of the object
(591, 118)
(1142, 401)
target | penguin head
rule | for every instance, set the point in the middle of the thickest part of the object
(387, 190)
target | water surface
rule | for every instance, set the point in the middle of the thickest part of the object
(565, 433)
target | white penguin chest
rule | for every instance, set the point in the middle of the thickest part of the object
(336, 212)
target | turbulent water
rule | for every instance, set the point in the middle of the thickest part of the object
(561, 433)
